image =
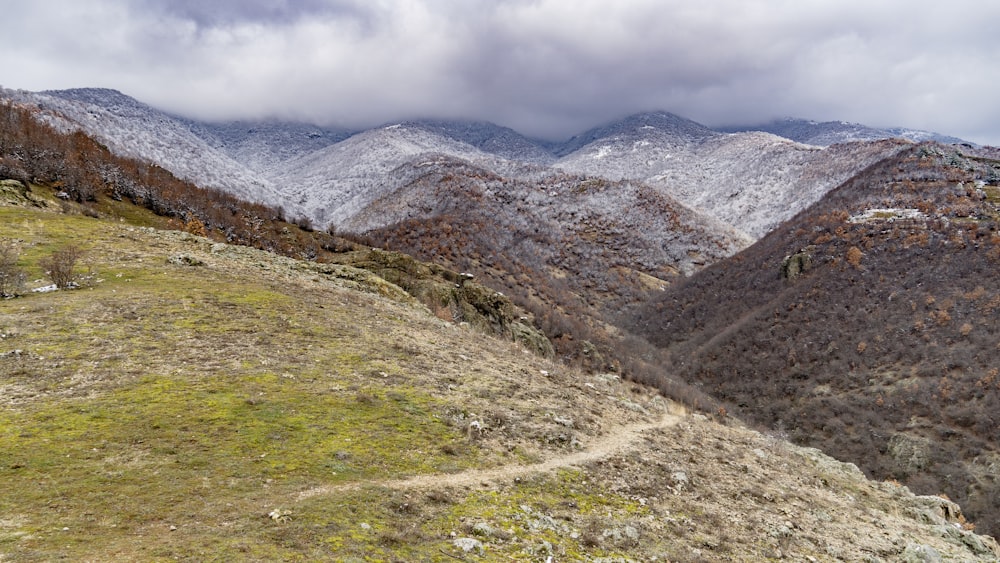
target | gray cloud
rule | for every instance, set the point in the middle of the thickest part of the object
(545, 67)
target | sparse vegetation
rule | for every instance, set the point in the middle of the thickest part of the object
(60, 266)
(12, 277)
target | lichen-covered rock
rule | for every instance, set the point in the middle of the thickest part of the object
(15, 192)
(469, 545)
(916, 553)
(796, 264)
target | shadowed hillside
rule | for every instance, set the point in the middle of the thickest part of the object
(866, 326)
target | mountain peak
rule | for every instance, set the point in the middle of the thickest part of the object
(640, 125)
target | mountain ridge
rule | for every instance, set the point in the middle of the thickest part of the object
(832, 132)
(266, 161)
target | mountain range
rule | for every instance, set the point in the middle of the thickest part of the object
(827, 282)
(326, 174)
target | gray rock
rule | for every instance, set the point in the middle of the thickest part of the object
(911, 453)
(931, 509)
(680, 481)
(626, 535)
(469, 545)
(915, 553)
(483, 530)
(185, 260)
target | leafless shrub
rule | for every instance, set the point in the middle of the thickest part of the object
(61, 264)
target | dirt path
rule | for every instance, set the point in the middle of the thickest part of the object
(616, 440)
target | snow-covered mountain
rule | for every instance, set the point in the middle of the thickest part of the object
(831, 132)
(752, 181)
(648, 127)
(646, 229)
(130, 128)
(490, 138)
(334, 183)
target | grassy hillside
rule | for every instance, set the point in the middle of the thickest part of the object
(867, 326)
(199, 401)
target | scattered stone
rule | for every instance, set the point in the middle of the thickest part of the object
(185, 260)
(469, 545)
(484, 530)
(680, 481)
(279, 515)
(564, 421)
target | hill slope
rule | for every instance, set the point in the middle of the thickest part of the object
(575, 251)
(866, 326)
(135, 130)
(752, 181)
(201, 401)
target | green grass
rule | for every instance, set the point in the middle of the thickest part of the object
(162, 412)
(161, 395)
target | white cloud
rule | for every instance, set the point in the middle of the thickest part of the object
(547, 67)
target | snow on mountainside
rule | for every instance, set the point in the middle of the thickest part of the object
(750, 180)
(336, 182)
(831, 132)
(261, 145)
(131, 128)
(753, 181)
(645, 229)
(639, 128)
(490, 138)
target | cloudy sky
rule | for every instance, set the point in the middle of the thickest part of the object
(548, 68)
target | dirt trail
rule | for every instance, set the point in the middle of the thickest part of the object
(618, 439)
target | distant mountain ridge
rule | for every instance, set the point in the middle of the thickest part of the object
(748, 180)
(831, 132)
(657, 122)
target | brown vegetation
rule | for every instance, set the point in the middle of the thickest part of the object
(60, 266)
(907, 326)
(574, 275)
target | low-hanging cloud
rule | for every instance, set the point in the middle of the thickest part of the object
(545, 67)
